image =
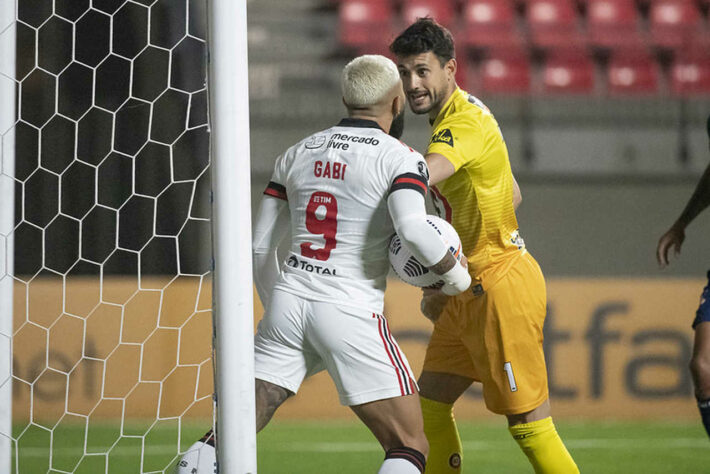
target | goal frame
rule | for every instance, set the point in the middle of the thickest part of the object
(8, 118)
(231, 235)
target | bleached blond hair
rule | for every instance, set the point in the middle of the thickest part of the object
(367, 79)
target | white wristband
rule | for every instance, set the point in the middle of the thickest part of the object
(456, 280)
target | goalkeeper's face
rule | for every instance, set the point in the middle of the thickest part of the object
(426, 82)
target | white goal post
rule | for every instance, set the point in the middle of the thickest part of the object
(7, 210)
(233, 290)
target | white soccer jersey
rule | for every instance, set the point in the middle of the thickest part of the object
(336, 183)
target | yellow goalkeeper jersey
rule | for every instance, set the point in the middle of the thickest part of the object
(478, 198)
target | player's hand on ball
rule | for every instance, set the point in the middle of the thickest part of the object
(433, 302)
(673, 238)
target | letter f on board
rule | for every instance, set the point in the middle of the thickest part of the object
(598, 337)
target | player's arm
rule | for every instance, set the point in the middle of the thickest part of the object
(272, 224)
(517, 195)
(408, 211)
(700, 199)
(675, 236)
(441, 168)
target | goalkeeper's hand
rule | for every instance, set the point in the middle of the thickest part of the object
(433, 302)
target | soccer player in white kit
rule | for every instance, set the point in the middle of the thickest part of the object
(344, 192)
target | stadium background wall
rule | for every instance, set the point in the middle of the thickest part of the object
(616, 348)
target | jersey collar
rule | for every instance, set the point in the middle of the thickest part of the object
(358, 123)
(445, 109)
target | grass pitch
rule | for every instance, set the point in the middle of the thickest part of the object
(348, 448)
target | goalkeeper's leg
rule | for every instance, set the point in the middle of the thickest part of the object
(397, 425)
(439, 391)
(537, 437)
(201, 458)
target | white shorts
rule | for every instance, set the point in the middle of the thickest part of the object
(299, 337)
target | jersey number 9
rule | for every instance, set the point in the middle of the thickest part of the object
(321, 223)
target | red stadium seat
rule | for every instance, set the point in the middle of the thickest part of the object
(490, 23)
(632, 74)
(690, 74)
(673, 23)
(613, 24)
(365, 23)
(569, 72)
(553, 24)
(440, 10)
(504, 72)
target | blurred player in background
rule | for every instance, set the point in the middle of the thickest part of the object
(673, 238)
(492, 333)
(344, 191)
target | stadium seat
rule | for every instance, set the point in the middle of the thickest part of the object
(632, 74)
(441, 10)
(690, 74)
(365, 23)
(613, 24)
(570, 72)
(503, 72)
(553, 24)
(462, 66)
(673, 23)
(490, 23)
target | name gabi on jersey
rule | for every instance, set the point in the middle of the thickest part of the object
(339, 141)
(329, 170)
(300, 264)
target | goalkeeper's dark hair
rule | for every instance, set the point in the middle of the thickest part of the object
(422, 36)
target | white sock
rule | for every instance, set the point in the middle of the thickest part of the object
(201, 458)
(398, 466)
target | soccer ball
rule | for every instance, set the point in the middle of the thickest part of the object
(409, 269)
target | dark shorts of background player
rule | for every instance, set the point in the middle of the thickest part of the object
(703, 313)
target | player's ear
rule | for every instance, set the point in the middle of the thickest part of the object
(451, 67)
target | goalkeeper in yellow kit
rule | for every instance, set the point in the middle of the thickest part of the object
(493, 332)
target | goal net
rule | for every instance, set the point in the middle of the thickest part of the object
(111, 324)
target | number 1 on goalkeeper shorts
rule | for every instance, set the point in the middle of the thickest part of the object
(511, 378)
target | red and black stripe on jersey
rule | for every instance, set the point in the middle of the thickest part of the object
(413, 181)
(276, 190)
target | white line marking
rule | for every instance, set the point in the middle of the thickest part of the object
(636, 444)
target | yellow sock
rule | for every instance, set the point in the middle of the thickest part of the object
(445, 453)
(543, 447)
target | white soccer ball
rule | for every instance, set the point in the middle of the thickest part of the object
(409, 269)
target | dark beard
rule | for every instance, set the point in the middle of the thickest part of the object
(397, 127)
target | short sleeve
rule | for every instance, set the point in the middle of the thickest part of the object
(459, 140)
(277, 185)
(410, 172)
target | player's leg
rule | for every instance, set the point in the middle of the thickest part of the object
(447, 373)
(438, 392)
(201, 457)
(537, 436)
(269, 397)
(373, 377)
(700, 369)
(280, 365)
(515, 377)
(397, 425)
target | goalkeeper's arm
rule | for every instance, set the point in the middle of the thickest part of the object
(408, 212)
(272, 224)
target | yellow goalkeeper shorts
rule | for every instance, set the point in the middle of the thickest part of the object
(496, 338)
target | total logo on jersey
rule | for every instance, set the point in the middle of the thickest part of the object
(294, 262)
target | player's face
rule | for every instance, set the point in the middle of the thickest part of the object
(426, 82)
